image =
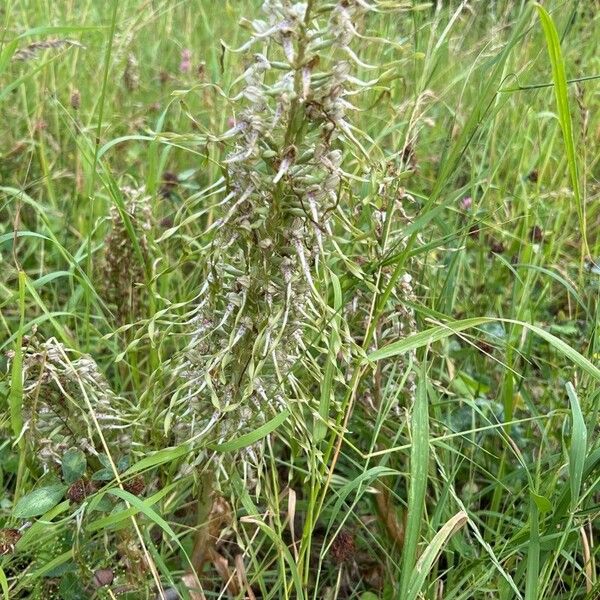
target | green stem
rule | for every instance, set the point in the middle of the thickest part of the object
(107, 57)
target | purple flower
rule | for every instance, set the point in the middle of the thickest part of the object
(185, 66)
(466, 203)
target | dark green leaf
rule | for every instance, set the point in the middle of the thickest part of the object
(103, 475)
(39, 501)
(123, 464)
(73, 465)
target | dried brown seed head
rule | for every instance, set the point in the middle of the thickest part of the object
(8, 540)
(537, 234)
(166, 222)
(164, 77)
(474, 231)
(485, 346)
(497, 247)
(80, 490)
(135, 486)
(343, 547)
(32, 50)
(169, 183)
(75, 99)
(131, 75)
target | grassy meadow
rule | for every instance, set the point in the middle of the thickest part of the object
(299, 300)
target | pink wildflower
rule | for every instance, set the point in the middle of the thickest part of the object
(185, 66)
(466, 203)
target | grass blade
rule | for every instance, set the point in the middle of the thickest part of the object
(284, 551)
(327, 385)
(419, 460)
(440, 332)
(4, 584)
(16, 376)
(564, 114)
(143, 507)
(577, 451)
(251, 438)
(533, 553)
(433, 550)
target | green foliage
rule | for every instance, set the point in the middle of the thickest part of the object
(299, 300)
(73, 465)
(39, 501)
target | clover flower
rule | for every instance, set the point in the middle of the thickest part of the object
(185, 66)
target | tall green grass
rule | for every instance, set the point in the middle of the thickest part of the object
(433, 436)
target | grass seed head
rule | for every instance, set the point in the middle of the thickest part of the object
(131, 75)
(33, 50)
(75, 100)
(123, 270)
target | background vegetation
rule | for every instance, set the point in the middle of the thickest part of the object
(318, 323)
